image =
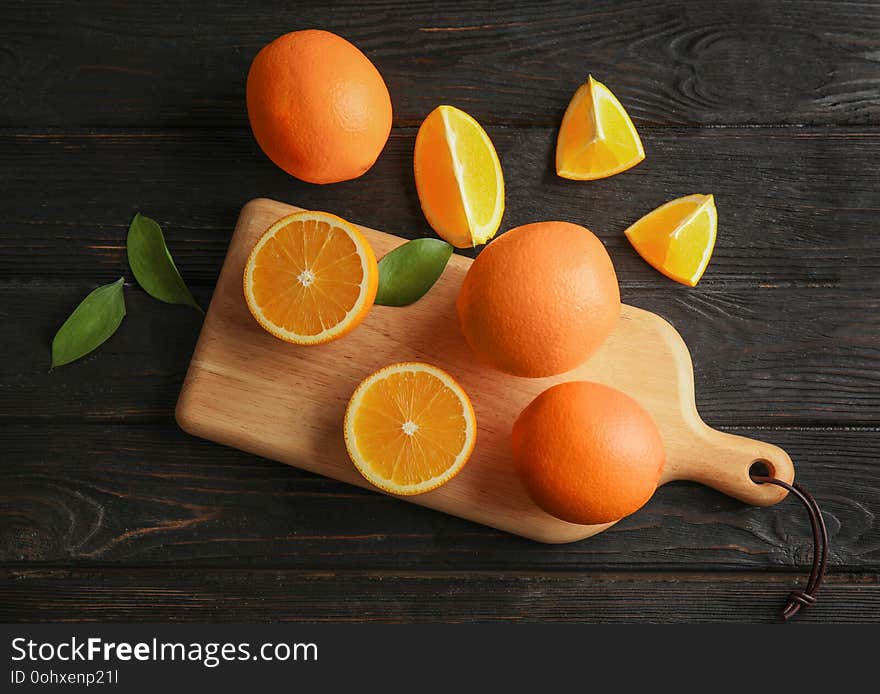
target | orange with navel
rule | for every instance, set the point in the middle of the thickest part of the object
(539, 300)
(587, 453)
(317, 106)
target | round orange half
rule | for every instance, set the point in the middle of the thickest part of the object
(409, 428)
(311, 278)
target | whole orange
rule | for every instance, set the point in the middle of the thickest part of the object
(318, 107)
(587, 453)
(540, 299)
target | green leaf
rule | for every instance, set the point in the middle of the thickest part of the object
(90, 325)
(153, 266)
(409, 271)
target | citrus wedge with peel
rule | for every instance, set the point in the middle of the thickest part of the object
(409, 428)
(311, 278)
(678, 238)
(458, 178)
(597, 139)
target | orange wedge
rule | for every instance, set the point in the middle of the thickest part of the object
(678, 238)
(311, 278)
(458, 178)
(409, 428)
(597, 139)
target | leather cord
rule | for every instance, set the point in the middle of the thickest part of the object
(799, 599)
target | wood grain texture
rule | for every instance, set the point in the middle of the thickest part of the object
(158, 63)
(150, 495)
(181, 595)
(795, 206)
(249, 390)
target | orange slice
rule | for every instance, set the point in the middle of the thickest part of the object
(678, 238)
(597, 139)
(458, 178)
(409, 428)
(311, 278)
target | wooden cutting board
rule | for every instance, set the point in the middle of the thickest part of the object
(247, 389)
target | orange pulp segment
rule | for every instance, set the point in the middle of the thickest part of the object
(458, 177)
(409, 428)
(311, 278)
(597, 139)
(678, 238)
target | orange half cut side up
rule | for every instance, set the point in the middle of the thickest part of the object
(311, 278)
(409, 428)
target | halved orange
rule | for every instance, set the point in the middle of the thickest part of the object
(597, 139)
(678, 238)
(409, 428)
(311, 278)
(458, 177)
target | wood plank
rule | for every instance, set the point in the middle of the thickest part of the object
(778, 355)
(103, 63)
(188, 595)
(153, 496)
(803, 215)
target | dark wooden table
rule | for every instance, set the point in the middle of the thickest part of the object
(109, 512)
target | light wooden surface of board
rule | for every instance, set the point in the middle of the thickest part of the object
(249, 390)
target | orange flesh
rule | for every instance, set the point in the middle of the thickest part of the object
(410, 427)
(597, 138)
(458, 177)
(307, 277)
(653, 243)
(585, 150)
(436, 178)
(678, 238)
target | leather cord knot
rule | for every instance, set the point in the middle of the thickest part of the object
(799, 599)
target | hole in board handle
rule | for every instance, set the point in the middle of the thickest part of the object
(761, 468)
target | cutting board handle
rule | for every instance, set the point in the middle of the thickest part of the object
(722, 461)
